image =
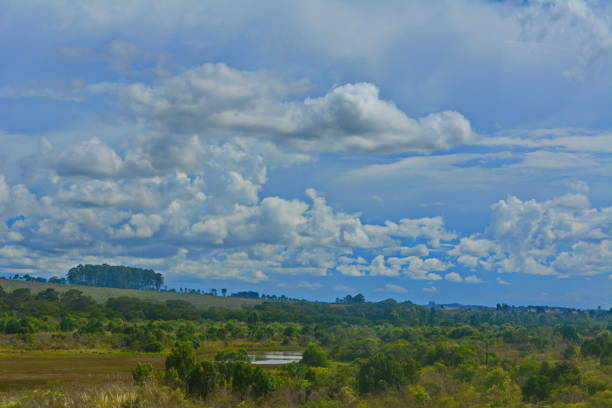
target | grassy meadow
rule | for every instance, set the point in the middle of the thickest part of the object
(22, 371)
(102, 294)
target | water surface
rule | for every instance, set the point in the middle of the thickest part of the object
(275, 357)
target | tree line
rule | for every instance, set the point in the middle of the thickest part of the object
(125, 277)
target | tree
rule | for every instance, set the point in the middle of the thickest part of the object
(142, 372)
(379, 373)
(48, 294)
(204, 378)
(253, 318)
(314, 356)
(182, 358)
(262, 383)
(569, 352)
(537, 387)
(224, 291)
(569, 333)
(115, 277)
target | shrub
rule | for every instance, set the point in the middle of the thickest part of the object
(142, 372)
(314, 356)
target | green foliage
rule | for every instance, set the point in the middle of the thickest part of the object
(92, 326)
(393, 354)
(379, 373)
(18, 326)
(248, 379)
(314, 356)
(204, 378)
(142, 372)
(233, 356)
(449, 355)
(115, 277)
(569, 352)
(537, 388)
(569, 333)
(598, 347)
(549, 378)
(172, 378)
(48, 294)
(182, 358)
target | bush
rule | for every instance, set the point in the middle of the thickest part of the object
(142, 372)
(537, 387)
(379, 373)
(314, 356)
(204, 379)
(182, 358)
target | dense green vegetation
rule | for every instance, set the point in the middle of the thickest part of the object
(115, 277)
(359, 354)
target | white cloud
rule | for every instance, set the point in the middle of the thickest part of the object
(378, 267)
(217, 101)
(351, 270)
(309, 285)
(572, 23)
(209, 212)
(430, 289)
(578, 186)
(472, 279)
(90, 158)
(563, 236)
(453, 277)
(140, 225)
(502, 281)
(390, 287)
(344, 288)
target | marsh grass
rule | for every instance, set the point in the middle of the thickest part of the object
(27, 371)
(109, 395)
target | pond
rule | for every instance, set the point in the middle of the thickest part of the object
(275, 357)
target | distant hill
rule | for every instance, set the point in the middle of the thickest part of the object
(101, 294)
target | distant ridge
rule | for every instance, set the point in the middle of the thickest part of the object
(101, 294)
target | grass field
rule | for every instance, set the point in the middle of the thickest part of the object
(27, 370)
(20, 371)
(102, 294)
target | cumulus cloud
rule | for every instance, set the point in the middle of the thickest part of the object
(215, 100)
(472, 279)
(206, 221)
(563, 236)
(90, 158)
(453, 277)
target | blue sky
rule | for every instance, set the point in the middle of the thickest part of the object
(446, 151)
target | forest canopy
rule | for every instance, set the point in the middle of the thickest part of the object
(124, 277)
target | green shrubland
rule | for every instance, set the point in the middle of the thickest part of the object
(130, 352)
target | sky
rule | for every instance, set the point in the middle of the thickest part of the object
(447, 151)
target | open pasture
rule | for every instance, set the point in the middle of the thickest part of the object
(101, 294)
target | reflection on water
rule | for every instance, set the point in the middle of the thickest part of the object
(275, 357)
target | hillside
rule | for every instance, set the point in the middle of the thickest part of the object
(101, 294)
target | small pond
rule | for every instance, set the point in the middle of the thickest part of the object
(275, 357)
